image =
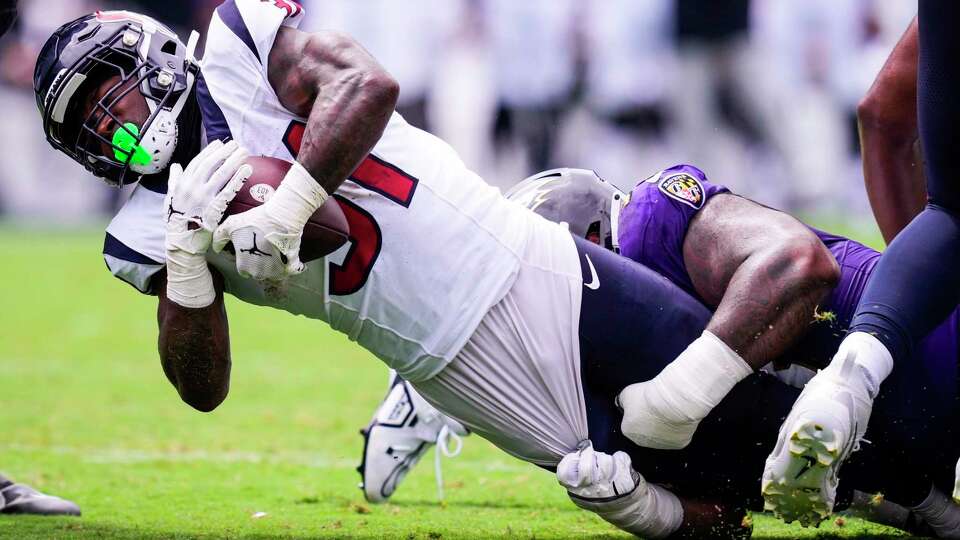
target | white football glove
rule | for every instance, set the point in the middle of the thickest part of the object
(196, 200)
(610, 487)
(589, 474)
(273, 229)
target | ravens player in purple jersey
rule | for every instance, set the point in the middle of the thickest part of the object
(20, 498)
(695, 233)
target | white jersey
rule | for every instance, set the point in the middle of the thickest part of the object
(432, 247)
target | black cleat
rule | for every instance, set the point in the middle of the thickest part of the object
(23, 499)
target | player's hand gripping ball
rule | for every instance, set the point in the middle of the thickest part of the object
(325, 232)
(196, 200)
(198, 196)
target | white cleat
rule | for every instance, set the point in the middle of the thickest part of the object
(956, 484)
(403, 428)
(824, 427)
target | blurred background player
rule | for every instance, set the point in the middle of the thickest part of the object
(533, 52)
(20, 498)
(617, 89)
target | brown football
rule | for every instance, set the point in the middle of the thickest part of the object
(327, 229)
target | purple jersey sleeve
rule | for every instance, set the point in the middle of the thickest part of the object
(654, 223)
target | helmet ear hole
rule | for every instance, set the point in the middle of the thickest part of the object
(170, 47)
(593, 233)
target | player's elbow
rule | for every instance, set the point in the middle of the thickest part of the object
(203, 388)
(380, 87)
(869, 110)
(204, 399)
(878, 117)
(813, 265)
(356, 68)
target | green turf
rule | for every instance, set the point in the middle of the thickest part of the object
(87, 414)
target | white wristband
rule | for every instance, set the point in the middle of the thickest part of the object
(297, 198)
(649, 511)
(189, 282)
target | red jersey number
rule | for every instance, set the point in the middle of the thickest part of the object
(373, 174)
(292, 8)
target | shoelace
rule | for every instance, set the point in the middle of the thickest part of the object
(443, 447)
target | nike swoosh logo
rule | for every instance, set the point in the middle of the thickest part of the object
(594, 280)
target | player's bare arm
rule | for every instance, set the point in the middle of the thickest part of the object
(194, 346)
(345, 95)
(194, 339)
(762, 271)
(347, 99)
(892, 162)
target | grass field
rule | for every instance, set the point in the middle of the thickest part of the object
(87, 414)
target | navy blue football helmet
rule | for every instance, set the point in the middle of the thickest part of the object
(147, 57)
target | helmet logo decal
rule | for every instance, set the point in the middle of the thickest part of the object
(537, 193)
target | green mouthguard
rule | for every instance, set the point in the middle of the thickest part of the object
(125, 144)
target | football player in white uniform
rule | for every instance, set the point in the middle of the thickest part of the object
(500, 319)
(472, 299)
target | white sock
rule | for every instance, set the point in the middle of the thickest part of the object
(870, 355)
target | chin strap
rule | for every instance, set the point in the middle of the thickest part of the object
(617, 202)
(192, 46)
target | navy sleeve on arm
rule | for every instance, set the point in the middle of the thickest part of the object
(129, 265)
